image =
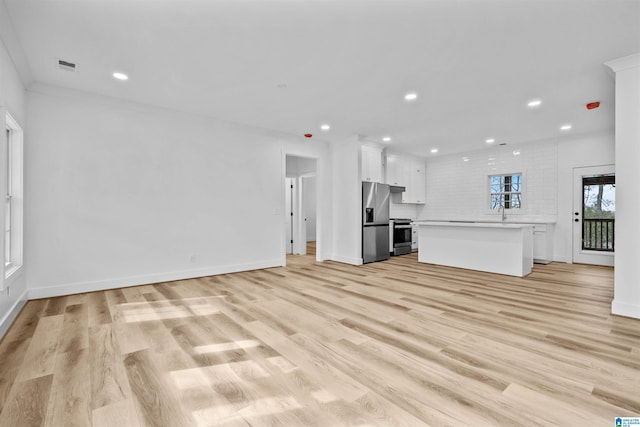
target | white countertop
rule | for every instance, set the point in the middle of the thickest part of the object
(495, 221)
(473, 224)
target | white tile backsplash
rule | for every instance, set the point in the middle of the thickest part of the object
(402, 210)
(458, 189)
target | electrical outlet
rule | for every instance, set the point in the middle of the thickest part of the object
(192, 259)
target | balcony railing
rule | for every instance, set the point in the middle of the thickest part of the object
(598, 234)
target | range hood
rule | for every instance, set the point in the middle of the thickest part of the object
(396, 189)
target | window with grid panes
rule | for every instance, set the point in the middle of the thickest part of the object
(505, 191)
(13, 224)
(7, 204)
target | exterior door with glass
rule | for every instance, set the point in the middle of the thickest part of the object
(594, 211)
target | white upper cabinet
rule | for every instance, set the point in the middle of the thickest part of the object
(371, 163)
(418, 182)
(395, 170)
(409, 172)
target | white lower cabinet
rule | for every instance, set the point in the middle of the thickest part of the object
(414, 238)
(542, 243)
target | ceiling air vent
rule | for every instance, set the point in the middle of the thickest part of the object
(67, 65)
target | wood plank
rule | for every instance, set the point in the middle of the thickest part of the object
(109, 382)
(75, 328)
(156, 403)
(130, 337)
(320, 344)
(55, 306)
(27, 404)
(12, 357)
(40, 358)
(118, 414)
(69, 402)
(98, 309)
(25, 324)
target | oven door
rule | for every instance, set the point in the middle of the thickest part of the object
(401, 239)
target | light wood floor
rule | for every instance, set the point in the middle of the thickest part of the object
(327, 344)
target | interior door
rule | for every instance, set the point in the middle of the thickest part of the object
(288, 213)
(594, 215)
(299, 215)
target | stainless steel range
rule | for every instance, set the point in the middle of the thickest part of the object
(401, 236)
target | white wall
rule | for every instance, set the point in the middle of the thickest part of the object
(458, 190)
(626, 301)
(297, 166)
(123, 194)
(309, 200)
(397, 209)
(12, 100)
(580, 151)
(347, 201)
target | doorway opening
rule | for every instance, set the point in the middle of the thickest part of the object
(300, 206)
(594, 215)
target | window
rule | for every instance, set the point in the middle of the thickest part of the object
(12, 155)
(598, 212)
(7, 205)
(506, 191)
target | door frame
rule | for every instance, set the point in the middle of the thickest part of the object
(289, 213)
(578, 254)
(299, 228)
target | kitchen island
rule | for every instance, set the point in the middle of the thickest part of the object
(503, 248)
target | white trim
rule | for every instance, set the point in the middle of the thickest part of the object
(12, 313)
(298, 224)
(624, 63)
(123, 282)
(17, 195)
(625, 309)
(9, 37)
(347, 260)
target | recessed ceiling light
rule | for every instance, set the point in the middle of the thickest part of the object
(434, 150)
(465, 159)
(565, 127)
(490, 140)
(534, 103)
(516, 152)
(412, 96)
(120, 76)
(325, 127)
(386, 139)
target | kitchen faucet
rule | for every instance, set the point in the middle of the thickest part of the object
(504, 215)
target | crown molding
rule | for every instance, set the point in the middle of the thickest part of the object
(624, 63)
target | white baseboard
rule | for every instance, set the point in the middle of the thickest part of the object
(347, 260)
(625, 309)
(11, 315)
(123, 282)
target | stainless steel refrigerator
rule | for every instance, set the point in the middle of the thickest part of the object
(375, 221)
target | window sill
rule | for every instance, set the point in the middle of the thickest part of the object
(11, 273)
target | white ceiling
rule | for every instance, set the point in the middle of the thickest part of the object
(474, 63)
